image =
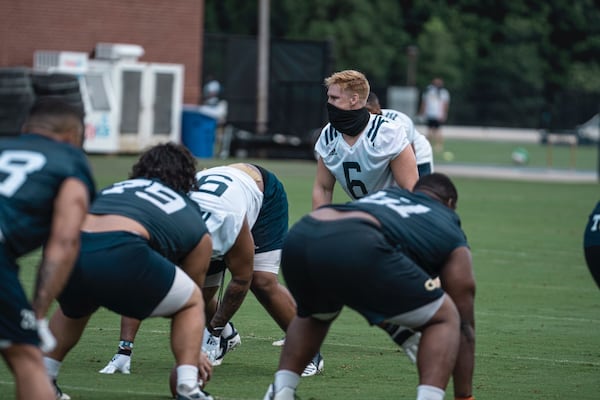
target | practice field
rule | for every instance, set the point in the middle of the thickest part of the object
(537, 310)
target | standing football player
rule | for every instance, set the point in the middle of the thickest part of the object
(45, 189)
(363, 152)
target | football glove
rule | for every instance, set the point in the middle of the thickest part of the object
(47, 340)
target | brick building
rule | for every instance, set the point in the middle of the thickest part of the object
(169, 31)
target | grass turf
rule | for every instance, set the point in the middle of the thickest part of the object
(537, 308)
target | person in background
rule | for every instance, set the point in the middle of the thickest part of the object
(591, 244)
(435, 103)
(361, 151)
(215, 107)
(134, 238)
(419, 142)
(45, 190)
(379, 255)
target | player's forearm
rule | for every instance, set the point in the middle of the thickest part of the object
(52, 275)
(232, 301)
(465, 363)
(321, 197)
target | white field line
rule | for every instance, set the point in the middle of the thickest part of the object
(534, 316)
(158, 395)
(491, 356)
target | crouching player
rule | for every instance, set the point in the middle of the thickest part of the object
(134, 236)
(399, 242)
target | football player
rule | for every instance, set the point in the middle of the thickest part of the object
(363, 152)
(134, 237)
(246, 211)
(400, 242)
(418, 141)
(591, 244)
(45, 188)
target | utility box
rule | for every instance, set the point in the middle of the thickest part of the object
(129, 105)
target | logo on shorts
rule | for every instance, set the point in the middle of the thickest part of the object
(28, 320)
(432, 284)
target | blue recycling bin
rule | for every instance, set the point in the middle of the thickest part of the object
(198, 132)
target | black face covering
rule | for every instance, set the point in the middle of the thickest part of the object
(349, 122)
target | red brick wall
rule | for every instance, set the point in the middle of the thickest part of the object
(170, 31)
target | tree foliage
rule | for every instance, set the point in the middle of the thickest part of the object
(502, 60)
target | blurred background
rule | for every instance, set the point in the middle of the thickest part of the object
(144, 67)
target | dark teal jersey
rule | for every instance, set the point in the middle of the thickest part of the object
(424, 229)
(591, 237)
(172, 219)
(32, 169)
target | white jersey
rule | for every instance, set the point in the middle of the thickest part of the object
(227, 196)
(422, 147)
(364, 167)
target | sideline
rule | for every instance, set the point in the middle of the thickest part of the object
(518, 173)
(516, 135)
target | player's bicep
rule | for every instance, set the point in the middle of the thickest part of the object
(323, 185)
(404, 168)
(240, 257)
(70, 208)
(458, 280)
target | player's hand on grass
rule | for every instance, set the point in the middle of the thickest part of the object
(204, 369)
(47, 339)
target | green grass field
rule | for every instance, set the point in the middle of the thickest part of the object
(499, 153)
(537, 308)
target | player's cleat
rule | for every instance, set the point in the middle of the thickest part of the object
(315, 366)
(279, 343)
(195, 395)
(285, 393)
(59, 393)
(411, 346)
(407, 338)
(211, 346)
(119, 363)
(228, 344)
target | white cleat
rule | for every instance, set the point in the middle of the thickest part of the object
(286, 393)
(228, 344)
(119, 363)
(314, 367)
(279, 343)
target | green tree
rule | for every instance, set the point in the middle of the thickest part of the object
(438, 54)
(504, 61)
(366, 35)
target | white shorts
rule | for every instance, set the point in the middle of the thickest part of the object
(264, 262)
(268, 261)
(178, 295)
(418, 317)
